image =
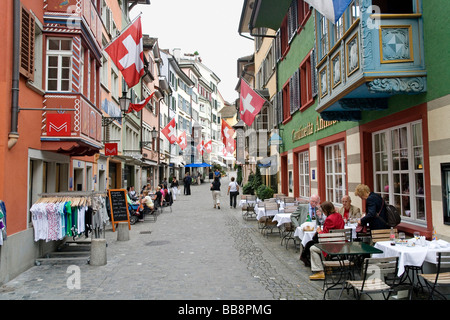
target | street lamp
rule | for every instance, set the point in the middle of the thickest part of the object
(154, 134)
(124, 103)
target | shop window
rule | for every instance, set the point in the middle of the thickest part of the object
(303, 174)
(398, 169)
(335, 172)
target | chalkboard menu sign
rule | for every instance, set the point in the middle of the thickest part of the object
(119, 206)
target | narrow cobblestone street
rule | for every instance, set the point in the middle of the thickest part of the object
(194, 252)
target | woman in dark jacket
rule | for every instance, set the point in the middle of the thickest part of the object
(374, 203)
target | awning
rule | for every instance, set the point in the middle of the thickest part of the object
(197, 165)
(269, 13)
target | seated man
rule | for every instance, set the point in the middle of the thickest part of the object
(348, 211)
(301, 214)
(147, 205)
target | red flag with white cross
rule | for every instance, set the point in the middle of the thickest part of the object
(127, 53)
(170, 131)
(182, 140)
(201, 147)
(208, 146)
(227, 132)
(250, 103)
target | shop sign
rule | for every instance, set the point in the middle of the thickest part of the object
(310, 128)
(58, 124)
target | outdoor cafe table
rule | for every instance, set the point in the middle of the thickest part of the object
(352, 251)
(282, 218)
(413, 256)
(261, 212)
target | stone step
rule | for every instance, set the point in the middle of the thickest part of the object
(62, 260)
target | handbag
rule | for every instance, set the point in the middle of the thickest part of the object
(361, 229)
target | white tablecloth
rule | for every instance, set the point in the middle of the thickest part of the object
(282, 218)
(261, 212)
(409, 256)
(305, 236)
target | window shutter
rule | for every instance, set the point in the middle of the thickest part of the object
(297, 90)
(27, 44)
(314, 78)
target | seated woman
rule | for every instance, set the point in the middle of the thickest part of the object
(147, 205)
(333, 220)
(158, 198)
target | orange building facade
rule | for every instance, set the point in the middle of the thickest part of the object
(51, 131)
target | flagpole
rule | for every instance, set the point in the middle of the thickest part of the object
(126, 28)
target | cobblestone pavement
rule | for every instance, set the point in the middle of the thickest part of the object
(194, 252)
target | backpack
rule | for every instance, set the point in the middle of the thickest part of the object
(392, 215)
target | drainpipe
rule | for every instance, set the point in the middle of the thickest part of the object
(13, 134)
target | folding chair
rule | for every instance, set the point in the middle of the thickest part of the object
(378, 276)
(382, 235)
(289, 228)
(289, 201)
(333, 268)
(248, 208)
(438, 279)
(270, 209)
(347, 233)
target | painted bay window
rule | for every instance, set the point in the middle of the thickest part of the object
(399, 170)
(335, 172)
(59, 64)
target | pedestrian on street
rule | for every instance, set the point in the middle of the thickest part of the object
(233, 191)
(215, 188)
(174, 188)
(187, 184)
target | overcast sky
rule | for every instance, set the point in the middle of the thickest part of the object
(207, 26)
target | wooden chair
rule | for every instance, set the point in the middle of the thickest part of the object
(334, 269)
(271, 209)
(289, 201)
(347, 233)
(375, 277)
(382, 235)
(289, 228)
(438, 279)
(248, 208)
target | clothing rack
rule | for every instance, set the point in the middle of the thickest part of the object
(79, 199)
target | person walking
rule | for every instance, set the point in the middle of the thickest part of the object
(233, 191)
(215, 188)
(174, 188)
(187, 184)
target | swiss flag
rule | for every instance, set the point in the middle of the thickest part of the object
(127, 53)
(208, 146)
(200, 147)
(182, 140)
(250, 103)
(170, 132)
(227, 132)
(231, 145)
(140, 105)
